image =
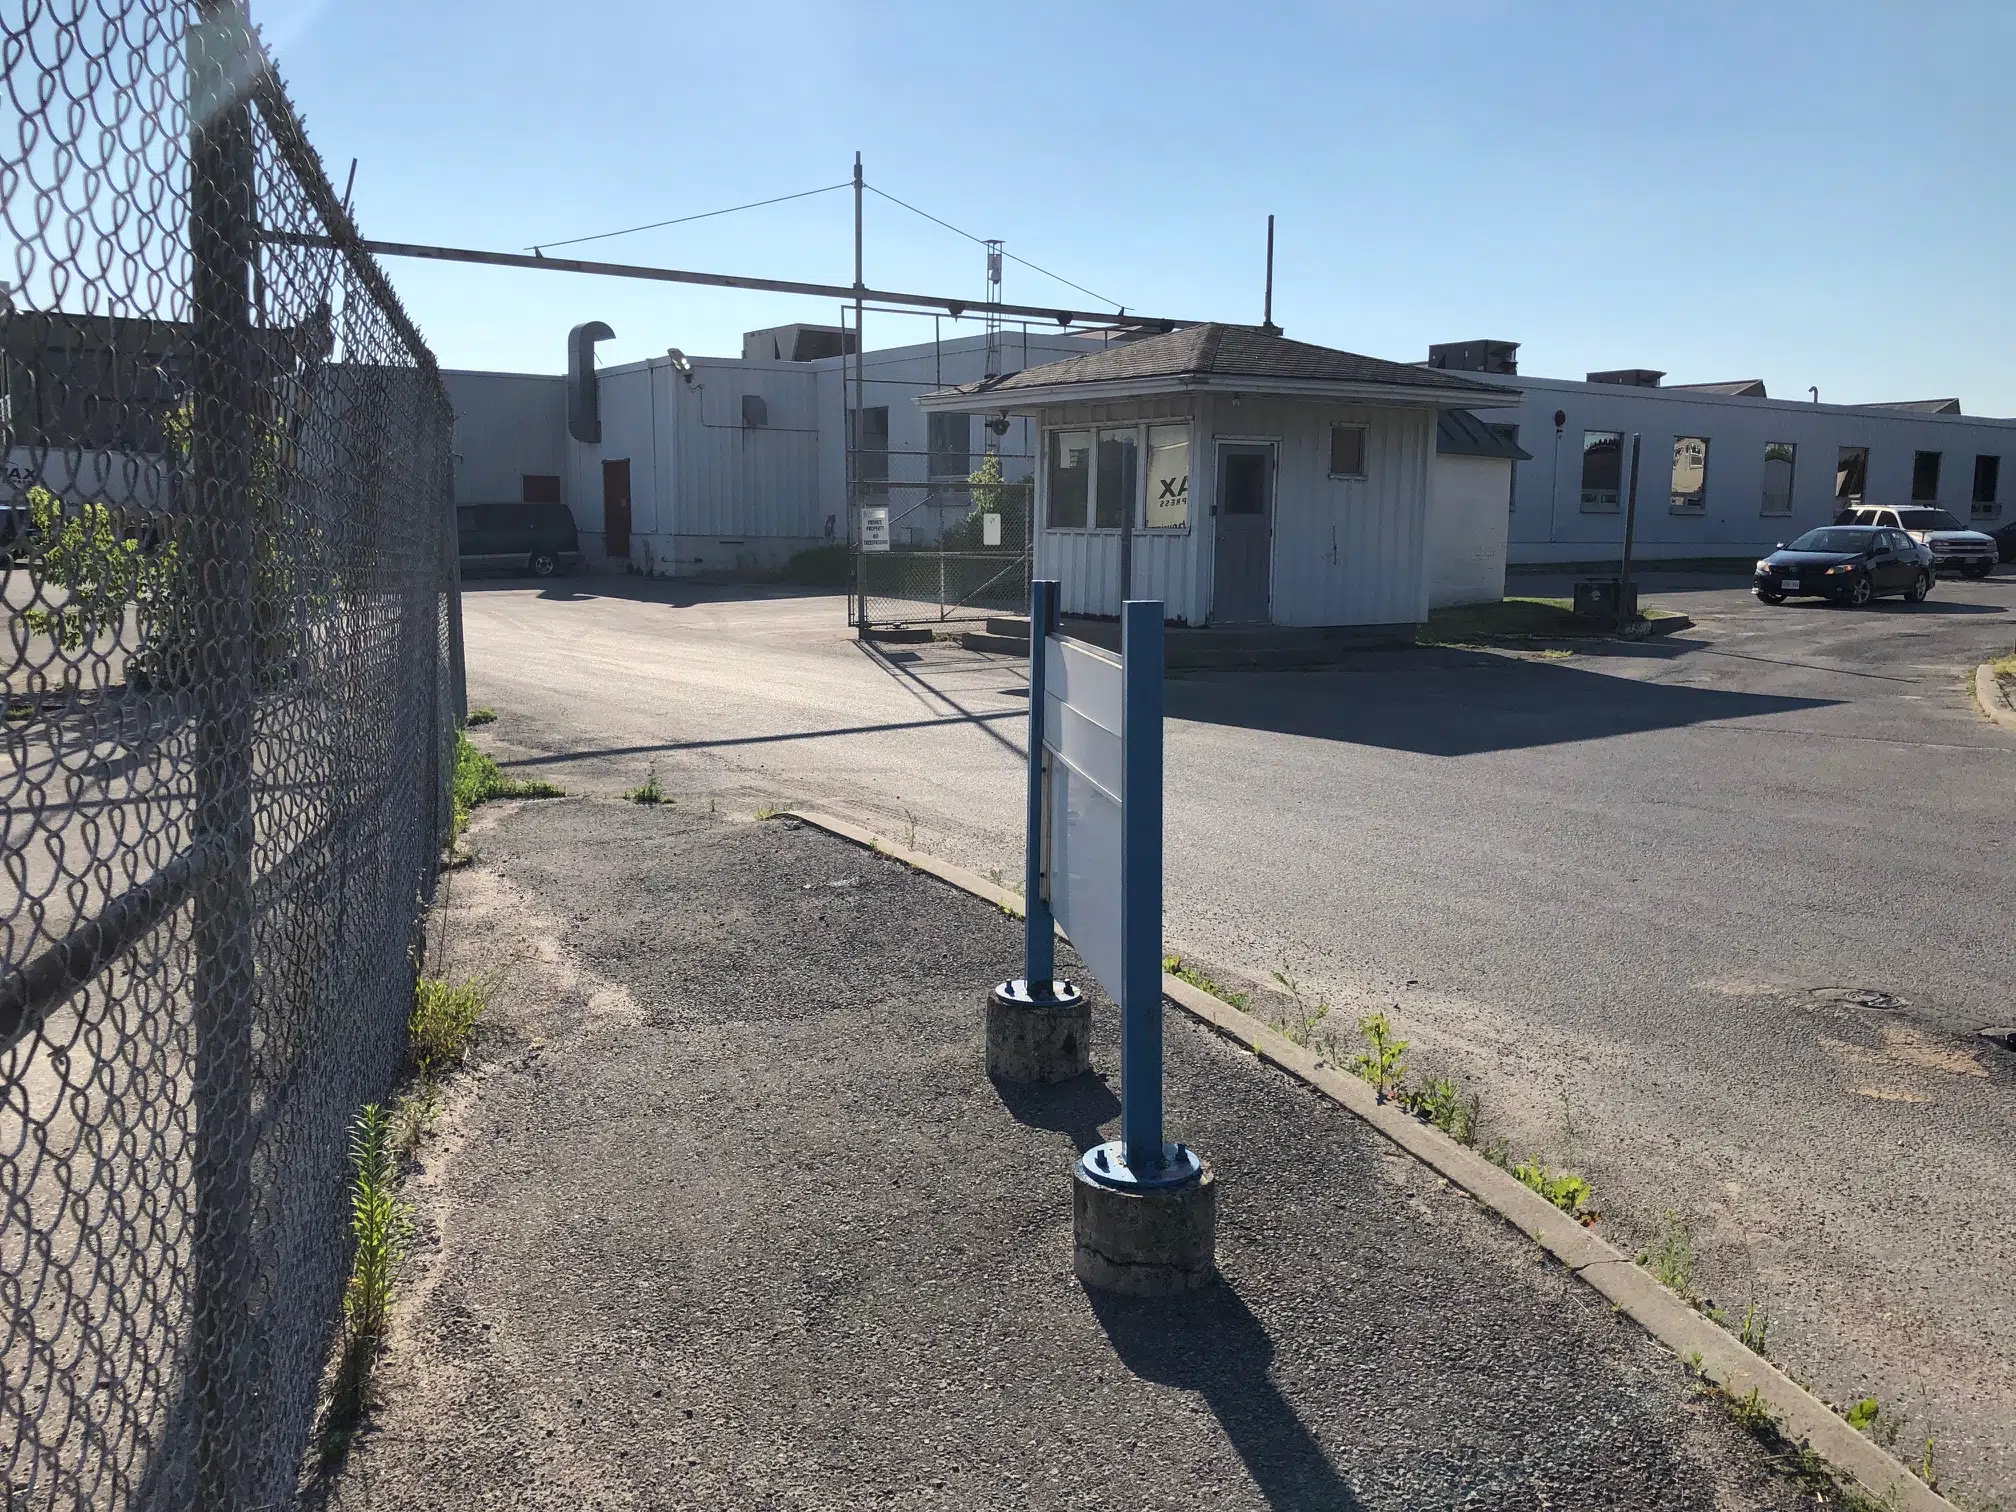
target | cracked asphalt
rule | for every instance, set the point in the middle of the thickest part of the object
(728, 1215)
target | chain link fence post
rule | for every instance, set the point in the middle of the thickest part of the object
(222, 399)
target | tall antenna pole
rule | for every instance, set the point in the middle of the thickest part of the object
(1267, 317)
(860, 372)
(993, 325)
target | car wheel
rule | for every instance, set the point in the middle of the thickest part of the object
(1920, 586)
(1765, 595)
(1976, 570)
(1860, 591)
(544, 564)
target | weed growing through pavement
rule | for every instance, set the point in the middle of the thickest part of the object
(1566, 1190)
(1182, 970)
(1302, 1028)
(1928, 1467)
(380, 1225)
(1756, 1326)
(910, 834)
(1672, 1259)
(443, 1024)
(648, 790)
(479, 717)
(478, 779)
(767, 813)
(1384, 1063)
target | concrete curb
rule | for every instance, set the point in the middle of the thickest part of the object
(1994, 702)
(1710, 1350)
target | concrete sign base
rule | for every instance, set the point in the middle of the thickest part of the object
(1038, 1032)
(1147, 1241)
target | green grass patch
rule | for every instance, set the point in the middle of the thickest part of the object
(443, 1025)
(479, 717)
(479, 780)
(1183, 971)
(1566, 1190)
(648, 791)
(2004, 667)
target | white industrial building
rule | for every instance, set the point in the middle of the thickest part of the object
(1725, 470)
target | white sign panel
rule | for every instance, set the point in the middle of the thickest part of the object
(1081, 736)
(990, 530)
(875, 527)
(1168, 477)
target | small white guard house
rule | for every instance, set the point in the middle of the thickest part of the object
(1241, 478)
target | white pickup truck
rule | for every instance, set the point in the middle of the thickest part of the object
(1971, 553)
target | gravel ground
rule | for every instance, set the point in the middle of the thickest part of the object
(729, 1216)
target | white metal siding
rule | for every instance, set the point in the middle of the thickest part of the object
(1466, 530)
(743, 483)
(507, 425)
(1346, 551)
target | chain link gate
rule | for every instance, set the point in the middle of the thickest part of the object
(232, 670)
(944, 563)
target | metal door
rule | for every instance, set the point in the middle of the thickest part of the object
(616, 507)
(1243, 574)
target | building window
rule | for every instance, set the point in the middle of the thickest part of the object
(1690, 473)
(951, 443)
(1070, 493)
(1168, 506)
(869, 430)
(1118, 482)
(539, 488)
(1779, 457)
(1924, 477)
(1509, 433)
(1602, 471)
(1851, 476)
(1987, 483)
(1347, 451)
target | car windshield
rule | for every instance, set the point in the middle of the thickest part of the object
(1834, 540)
(1928, 519)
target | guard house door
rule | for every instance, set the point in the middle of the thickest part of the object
(616, 507)
(1243, 573)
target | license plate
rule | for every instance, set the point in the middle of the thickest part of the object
(1790, 585)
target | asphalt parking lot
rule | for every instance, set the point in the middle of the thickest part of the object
(1715, 918)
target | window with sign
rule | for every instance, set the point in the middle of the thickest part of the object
(1168, 494)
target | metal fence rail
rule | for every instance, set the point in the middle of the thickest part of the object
(229, 591)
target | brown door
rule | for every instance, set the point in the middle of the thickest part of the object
(616, 508)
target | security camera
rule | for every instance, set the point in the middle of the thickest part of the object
(998, 424)
(681, 364)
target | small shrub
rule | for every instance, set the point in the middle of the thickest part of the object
(1566, 1190)
(479, 717)
(1302, 1028)
(1751, 1412)
(445, 1016)
(1862, 1414)
(1440, 1101)
(1384, 1063)
(1756, 1327)
(380, 1224)
(648, 791)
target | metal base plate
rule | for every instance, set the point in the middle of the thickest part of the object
(1107, 1165)
(1027, 994)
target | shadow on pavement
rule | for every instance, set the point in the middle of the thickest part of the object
(1456, 703)
(1075, 1108)
(675, 593)
(1210, 1343)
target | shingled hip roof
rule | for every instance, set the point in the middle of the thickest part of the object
(1225, 356)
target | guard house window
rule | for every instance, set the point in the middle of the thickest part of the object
(1347, 451)
(1119, 478)
(1602, 471)
(951, 443)
(870, 427)
(1690, 473)
(1070, 491)
(1987, 482)
(1924, 477)
(1168, 505)
(1851, 476)
(1779, 458)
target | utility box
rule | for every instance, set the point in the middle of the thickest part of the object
(1596, 599)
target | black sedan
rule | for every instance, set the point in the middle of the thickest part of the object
(1850, 564)
(2005, 542)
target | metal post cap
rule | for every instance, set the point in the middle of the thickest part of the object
(1023, 993)
(1106, 1164)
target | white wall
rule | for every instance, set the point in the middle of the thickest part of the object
(507, 425)
(1466, 530)
(1549, 524)
(1344, 551)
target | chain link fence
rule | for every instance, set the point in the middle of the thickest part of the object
(956, 554)
(232, 662)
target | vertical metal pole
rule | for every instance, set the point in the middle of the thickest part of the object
(1630, 530)
(1141, 884)
(1267, 315)
(1039, 949)
(221, 207)
(856, 494)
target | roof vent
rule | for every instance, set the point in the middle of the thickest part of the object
(1500, 357)
(1629, 377)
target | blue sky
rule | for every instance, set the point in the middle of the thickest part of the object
(1807, 193)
